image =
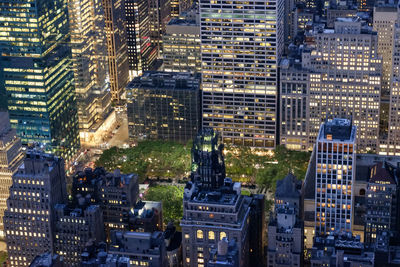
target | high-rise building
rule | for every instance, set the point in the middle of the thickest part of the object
(115, 193)
(339, 75)
(213, 207)
(294, 113)
(384, 25)
(382, 205)
(141, 52)
(36, 75)
(341, 249)
(164, 105)
(37, 186)
(118, 65)
(335, 172)
(140, 249)
(241, 48)
(179, 6)
(128, 249)
(90, 65)
(11, 157)
(159, 15)
(392, 147)
(285, 228)
(181, 44)
(75, 226)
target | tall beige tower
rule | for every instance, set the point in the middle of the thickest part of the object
(10, 158)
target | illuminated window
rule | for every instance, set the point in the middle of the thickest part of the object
(211, 235)
(199, 234)
(222, 235)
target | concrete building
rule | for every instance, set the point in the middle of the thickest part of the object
(340, 249)
(117, 49)
(116, 194)
(37, 186)
(213, 207)
(138, 249)
(382, 204)
(285, 228)
(240, 59)
(173, 245)
(225, 255)
(294, 111)
(146, 216)
(339, 76)
(89, 62)
(392, 147)
(164, 106)
(75, 226)
(48, 260)
(335, 170)
(384, 24)
(11, 157)
(181, 44)
(141, 52)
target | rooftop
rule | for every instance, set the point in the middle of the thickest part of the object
(166, 80)
(338, 129)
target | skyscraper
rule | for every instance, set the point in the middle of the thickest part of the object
(159, 15)
(75, 226)
(116, 47)
(285, 228)
(241, 48)
(393, 141)
(89, 57)
(36, 74)
(141, 52)
(164, 105)
(11, 157)
(181, 44)
(213, 207)
(339, 75)
(38, 185)
(335, 172)
(382, 205)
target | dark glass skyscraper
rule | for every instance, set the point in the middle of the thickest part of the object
(36, 74)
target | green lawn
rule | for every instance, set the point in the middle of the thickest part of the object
(162, 159)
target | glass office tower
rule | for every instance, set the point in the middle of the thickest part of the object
(36, 74)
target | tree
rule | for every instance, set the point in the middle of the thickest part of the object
(171, 197)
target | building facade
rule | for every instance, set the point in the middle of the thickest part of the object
(11, 157)
(240, 59)
(37, 186)
(138, 249)
(118, 65)
(115, 193)
(392, 147)
(285, 228)
(36, 75)
(141, 52)
(164, 105)
(382, 204)
(74, 228)
(181, 44)
(340, 75)
(335, 171)
(213, 207)
(90, 65)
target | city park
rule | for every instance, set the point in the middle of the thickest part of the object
(166, 166)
